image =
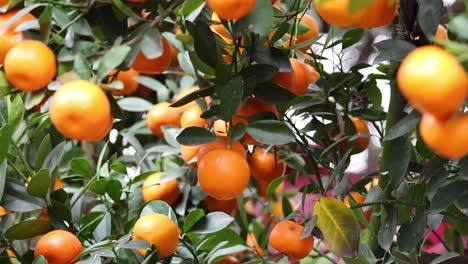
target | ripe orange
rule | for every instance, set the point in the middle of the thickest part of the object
(287, 80)
(265, 166)
(441, 33)
(374, 182)
(246, 110)
(223, 174)
(360, 199)
(379, 13)
(174, 55)
(336, 12)
(227, 206)
(3, 211)
(30, 65)
(312, 73)
(285, 238)
(361, 128)
(188, 153)
(128, 80)
(231, 9)
(302, 75)
(228, 260)
(191, 117)
(447, 138)
(58, 185)
(433, 81)
(313, 32)
(185, 93)
(158, 230)
(10, 38)
(167, 191)
(58, 247)
(221, 144)
(162, 115)
(251, 242)
(154, 66)
(80, 110)
(104, 130)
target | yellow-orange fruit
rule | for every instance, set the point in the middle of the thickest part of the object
(167, 191)
(162, 114)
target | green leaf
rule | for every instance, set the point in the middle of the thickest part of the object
(39, 184)
(261, 72)
(193, 96)
(272, 93)
(237, 132)
(341, 231)
(82, 66)
(125, 9)
(4, 85)
(134, 104)
(429, 14)
(15, 113)
(394, 49)
(274, 185)
(387, 230)
(193, 136)
(398, 155)
(272, 56)
(230, 95)
(17, 199)
(192, 218)
(155, 85)
(81, 166)
(355, 5)
(446, 195)
(99, 186)
(114, 190)
(213, 222)
(40, 260)
(352, 37)
(203, 41)
(159, 207)
(3, 170)
(111, 60)
(403, 126)
(444, 257)
(42, 151)
(458, 25)
(200, 65)
(28, 229)
(411, 232)
(55, 157)
(270, 132)
(260, 19)
(151, 44)
(5, 138)
(192, 8)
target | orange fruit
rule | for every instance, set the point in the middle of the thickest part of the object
(30, 65)
(361, 128)
(58, 247)
(374, 182)
(441, 33)
(161, 114)
(379, 13)
(228, 260)
(447, 138)
(104, 130)
(185, 93)
(360, 199)
(221, 144)
(10, 38)
(287, 80)
(130, 85)
(167, 191)
(191, 117)
(433, 81)
(58, 185)
(313, 32)
(246, 110)
(220, 128)
(80, 110)
(188, 153)
(303, 74)
(174, 55)
(154, 66)
(336, 12)
(251, 242)
(312, 73)
(265, 166)
(231, 9)
(285, 238)
(3, 211)
(227, 206)
(10, 253)
(158, 230)
(223, 174)
(219, 28)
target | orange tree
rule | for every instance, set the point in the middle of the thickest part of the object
(222, 131)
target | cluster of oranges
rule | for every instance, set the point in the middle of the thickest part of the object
(436, 84)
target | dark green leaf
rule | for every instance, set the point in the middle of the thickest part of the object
(99, 186)
(200, 65)
(230, 96)
(204, 41)
(111, 60)
(212, 222)
(394, 49)
(387, 230)
(39, 184)
(3, 169)
(272, 56)
(5, 138)
(272, 93)
(398, 155)
(403, 126)
(446, 195)
(55, 157)
(42, 151)
(192, 218)
(159, 207)
(270, 132)
(443, 258)
(193, 96)
(192, 136)
(28, 229)
(429, 14)
(81, 167)
(260, 19)
(15, 113)
(114, 190)
(352, 37)
(411, 232)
